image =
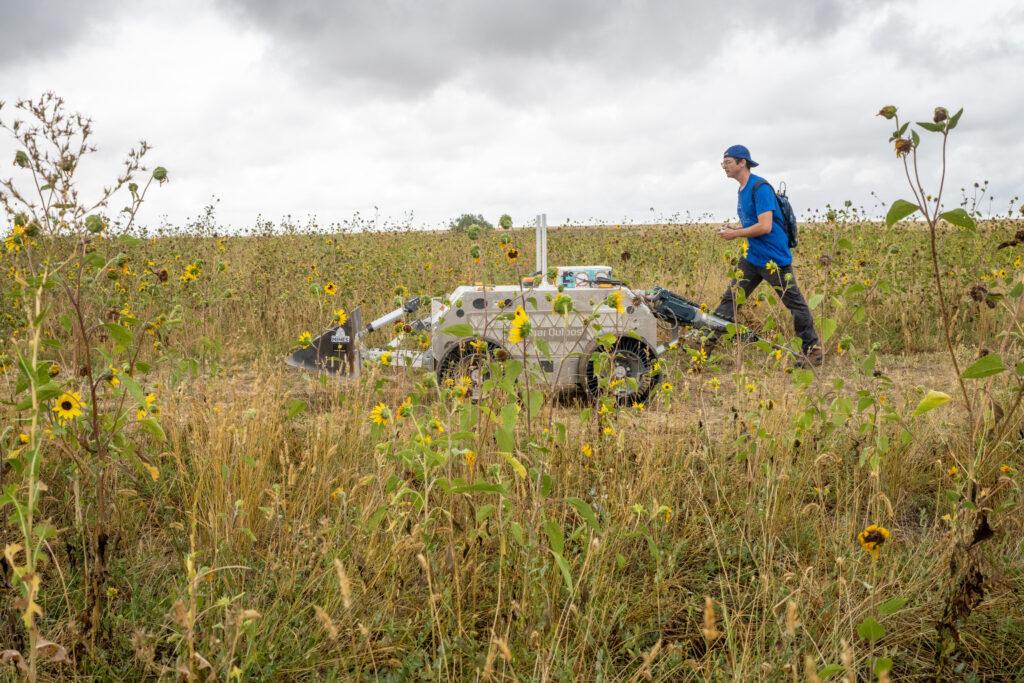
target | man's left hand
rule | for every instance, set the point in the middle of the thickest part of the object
(728, 233)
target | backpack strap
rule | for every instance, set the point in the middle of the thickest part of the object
(753, 194)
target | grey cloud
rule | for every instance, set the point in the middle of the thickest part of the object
(34, 29)
(410, 48)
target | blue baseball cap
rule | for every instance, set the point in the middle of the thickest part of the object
(740, 152)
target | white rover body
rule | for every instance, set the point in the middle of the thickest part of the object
(562, 347)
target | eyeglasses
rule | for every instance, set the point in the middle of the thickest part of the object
(728, 161)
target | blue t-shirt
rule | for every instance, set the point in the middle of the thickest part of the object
(764, 248)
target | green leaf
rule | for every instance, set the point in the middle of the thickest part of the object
(899, 210)
(506, 440)
(374, 519)
(295, 407)
(933, 399)
(543, 346)
(459, 330)
(556, 538)
(154, 428)
(815, 301)
(536, 402)
(133, 388)
(933, 127)
(830, 670)
(47, 391)
(586, 512)
(802, 377)
(882, 665)
(892, 605)
(564, 567)
(122, 336)
(828, 328)
(986, 366)
(870, 630)
(959, 218)
(954, 119)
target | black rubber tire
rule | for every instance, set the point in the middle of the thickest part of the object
(632, 358)
(464, 360)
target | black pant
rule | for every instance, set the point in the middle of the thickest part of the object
(783, 281)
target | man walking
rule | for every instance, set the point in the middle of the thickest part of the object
(767, 256)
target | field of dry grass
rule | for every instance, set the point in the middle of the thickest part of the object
(269, 530)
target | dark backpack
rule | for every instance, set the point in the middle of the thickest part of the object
(788, 215)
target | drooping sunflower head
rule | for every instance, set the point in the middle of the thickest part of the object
(380, 415)
(404, 409)
(615, 300)
(520, 329)
(68, 406)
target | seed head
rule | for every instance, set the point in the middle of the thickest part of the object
(888, 112)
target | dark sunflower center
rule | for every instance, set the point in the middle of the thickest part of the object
(875, 537)
(66, 405)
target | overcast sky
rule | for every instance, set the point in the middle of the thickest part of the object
(583, 109)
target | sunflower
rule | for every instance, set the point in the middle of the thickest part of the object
(340, 316)
(68, 406)
(666, 387)
(330, 289)
(562, 305)
(587, 450)
(380, 415)
(872, 538)
(615, 301)
(437, 426)
(305, 339)
(512, 255)
(385, 359)
(404, 409)
(113, 380)
(470, 457)
(462, 386)
(520, 329)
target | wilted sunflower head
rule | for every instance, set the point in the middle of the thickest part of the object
(903, 147)
(888, 111)
(872, 538)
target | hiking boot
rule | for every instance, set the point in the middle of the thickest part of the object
(811, 357)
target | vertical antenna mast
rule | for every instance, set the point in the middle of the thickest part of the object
(542, 247)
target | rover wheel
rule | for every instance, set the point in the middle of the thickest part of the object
(465, 366)
(631, 359)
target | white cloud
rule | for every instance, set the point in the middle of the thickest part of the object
(602, 116)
